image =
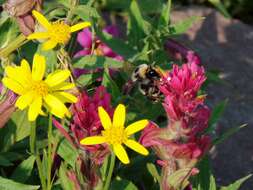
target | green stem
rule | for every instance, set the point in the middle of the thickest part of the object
(16, 43)
(109, 175)
(70, 13)
(33, 138)
(49, 156)
(34, 151)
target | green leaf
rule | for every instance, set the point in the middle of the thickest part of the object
(8, 184)
(8, 31)
(94, 61)
(24, 170)
(227, 134)
(165, 15)
(236, 185)
(179, 179)
(121, 184)
(4, 161)
(66, 183)
(109, 83)
(117, 45)
(220, 6)
(204, 178)
(149, 7)
(135, 29)
(183, 26)
(153, 171)
(66, 3)
(51, 58)
(86, 13)
(212, 185)
(216, 115)
(17, 128)
(67, 152)
(85, 80)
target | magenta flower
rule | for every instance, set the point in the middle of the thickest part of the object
(180, 87)
(85, 39)
(182, 143)
(86, 123)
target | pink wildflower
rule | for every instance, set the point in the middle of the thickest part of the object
(86, 40)
(86, 121)
(181, 144)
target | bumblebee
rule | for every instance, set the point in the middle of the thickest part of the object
(148, 78)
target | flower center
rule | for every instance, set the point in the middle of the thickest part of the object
(40, 88)
(59, 32)
(115, 135)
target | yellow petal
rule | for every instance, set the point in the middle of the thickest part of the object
(119, 116)
(79, 26)
(18, 75)
(93, 140)
(38, 35)
(136, 126)
(13, 85)
(63, 86)
(25, 67)
(137, 147)
(65, 97)
(55, 106)
(35, 109)
(120, 152)
(57, 77)
(13, 72)
(24, 100)
(104, 117)
(41, 19)
(50, 44)
(39, 67)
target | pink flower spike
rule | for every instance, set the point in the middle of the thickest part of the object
(85, 38)
(86, 121)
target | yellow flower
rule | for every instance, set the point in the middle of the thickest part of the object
(56, 32)
(115, 134)
(36, 92)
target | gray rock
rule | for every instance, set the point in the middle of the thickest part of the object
(227, 46)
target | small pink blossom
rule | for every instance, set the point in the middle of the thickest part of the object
(85, 39)
(185, 81)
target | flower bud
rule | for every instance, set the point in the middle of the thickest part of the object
(21, 10)
(7, 107)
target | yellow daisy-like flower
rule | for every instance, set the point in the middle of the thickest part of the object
(36, 92)
(56, 32)
(115, 134)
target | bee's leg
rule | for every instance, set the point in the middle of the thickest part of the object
(143, 89)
